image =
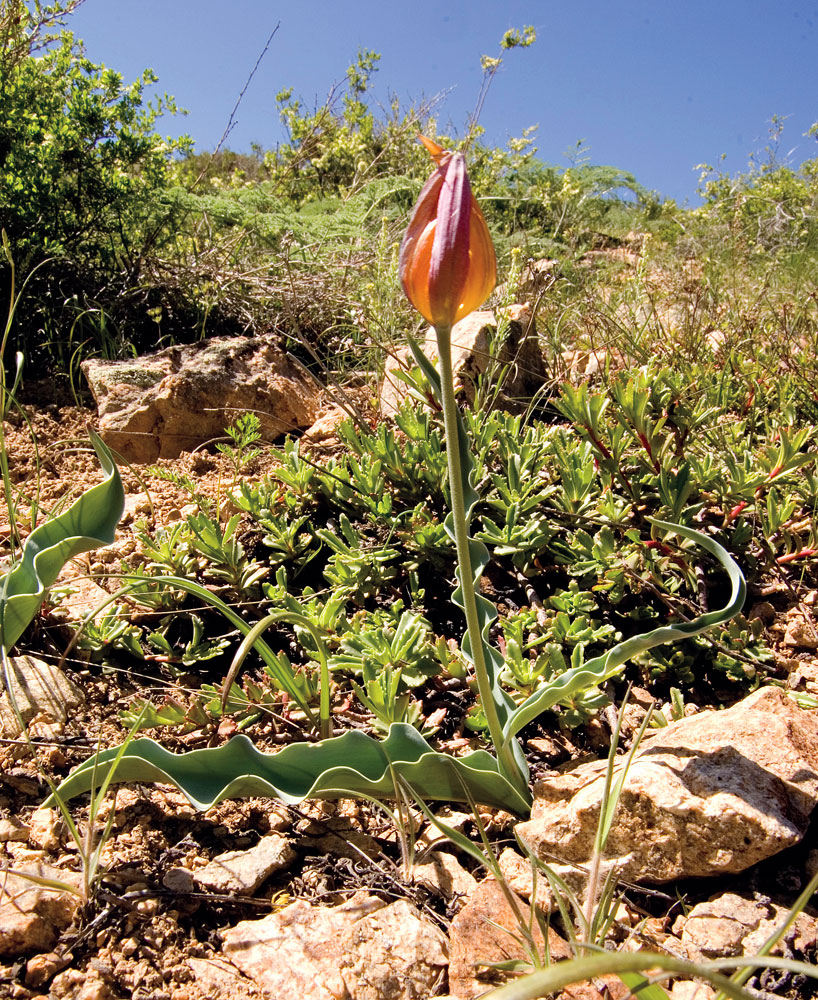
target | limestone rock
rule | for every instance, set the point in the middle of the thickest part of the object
(444, 875)
(346, 843)
(86, 595)
(295, 954)
(46, 829)
(363, 949)
(13, 830)
(393, 954)
(244, 871)
(727, 925)
(322, 435)
(710, 794)
(478, 936)
(518, 360)
(80, 984)
(582, 364)
(432, 836)
(41, 690)
(516, 870)
(32, 916)
(801, 633)
(164, 403)
(179, 880)
(41, 968)
(687, 989)
(217, 978)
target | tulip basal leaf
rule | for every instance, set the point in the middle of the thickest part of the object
(88, 523)
(345, 766)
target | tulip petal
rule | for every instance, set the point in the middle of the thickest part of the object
(482, 275)
(414, 275)
(447, 263)
(437, 153)
(449, 268)
(416, 248)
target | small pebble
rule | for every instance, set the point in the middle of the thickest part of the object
(178, 880)
(13, 830)
(129, 946)
(46, 828)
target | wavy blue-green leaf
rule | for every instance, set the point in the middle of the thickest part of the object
(347, 765)
(602, 668)
(88, 523)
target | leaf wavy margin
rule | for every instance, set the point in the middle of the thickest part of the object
(88, 523)
(343, 766)
(353, 763)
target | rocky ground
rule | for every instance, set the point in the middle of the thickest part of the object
(254, 899)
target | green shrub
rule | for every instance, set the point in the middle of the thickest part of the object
(82, 169)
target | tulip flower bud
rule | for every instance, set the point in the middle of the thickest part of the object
(447, 263)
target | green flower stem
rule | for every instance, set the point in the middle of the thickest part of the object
(503, 747)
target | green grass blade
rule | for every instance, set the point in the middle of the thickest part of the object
(562, 974)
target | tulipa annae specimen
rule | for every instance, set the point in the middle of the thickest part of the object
(447, 268)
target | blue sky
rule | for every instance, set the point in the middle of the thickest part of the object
(652, 87)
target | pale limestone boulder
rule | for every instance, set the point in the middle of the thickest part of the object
(443, 874)
(393, 954)
(486, 931)
(727, 925)
(171, 401)
(517, 360)
(41, 690)
(216, 978)
(32, 916)
(363, 950)
(296, 953)
(710, 794)
(244, 871)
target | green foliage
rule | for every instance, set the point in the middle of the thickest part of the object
(80, 157)
(89, 522)
(82, 168)
(355, 568)
(244, 434)
(773, 206)
(112, 631)
(406, 649)
(196, 649)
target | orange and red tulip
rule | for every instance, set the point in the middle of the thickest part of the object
(447, 262)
